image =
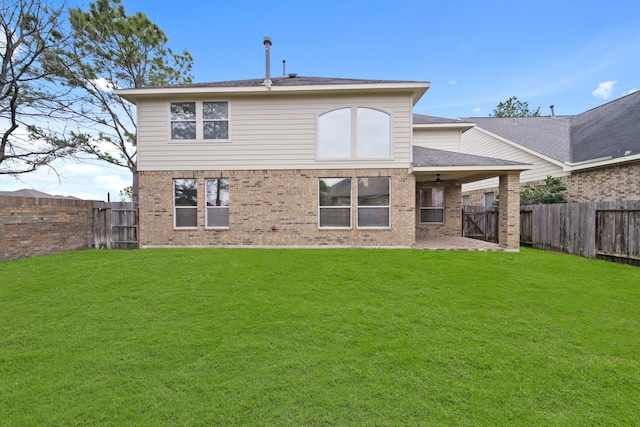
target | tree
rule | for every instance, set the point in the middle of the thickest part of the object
(111, 50)
(545, 194)
(29, 95)
(513, 107)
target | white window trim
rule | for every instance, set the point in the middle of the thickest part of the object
(350, 207)
(358, 207)
(443, 208)
(199, 122)
(175, 208)
(354, 136)
(207, 207)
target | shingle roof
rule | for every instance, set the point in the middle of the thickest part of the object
(429, 157)
(612, 129)
(550, 136)
(287, 81)
(421, 119)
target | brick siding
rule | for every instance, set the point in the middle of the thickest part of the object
(452, 226)
(272, 208)
(613, 183)
(33, 226)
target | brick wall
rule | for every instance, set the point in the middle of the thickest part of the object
(613, 183)
(452, 226)
(272, 208)
(32, 226)
(509, 211)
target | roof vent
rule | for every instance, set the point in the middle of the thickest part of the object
(267, 45)
(292, 75)
(553, 114)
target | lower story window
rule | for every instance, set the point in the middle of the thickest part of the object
(373, 203)
(217, 213)
(185, 203)
(334, 203)
(432, 205)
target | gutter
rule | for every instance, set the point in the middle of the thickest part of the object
(603, 161)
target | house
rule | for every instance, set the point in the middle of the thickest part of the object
(25, 192)
(305, 161)
(596, 154)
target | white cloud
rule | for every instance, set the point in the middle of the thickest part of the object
(87, 180)
(103, 84)
(453, 82)
(477, 110)
(630, 91)
(605, 89)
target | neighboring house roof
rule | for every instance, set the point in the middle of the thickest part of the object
(25, 192)
(289, 84)
(610, 130)
(420, 121)
(430, 157)
(550, 136)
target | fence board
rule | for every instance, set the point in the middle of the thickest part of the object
(591, 230)
(480, 222)
(115, 225)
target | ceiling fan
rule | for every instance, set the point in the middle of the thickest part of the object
(444, 181)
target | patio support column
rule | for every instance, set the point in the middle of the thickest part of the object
(509, 211)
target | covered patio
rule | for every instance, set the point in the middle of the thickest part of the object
(449, 170)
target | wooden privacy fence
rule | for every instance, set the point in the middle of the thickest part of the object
(608, 230)
(115, 225)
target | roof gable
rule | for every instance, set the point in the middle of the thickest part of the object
(550, 136)
(611, 130)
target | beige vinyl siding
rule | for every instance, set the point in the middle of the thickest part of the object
(479, 143)
(438, 139)
(266, 132)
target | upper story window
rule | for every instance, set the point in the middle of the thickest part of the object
(183, 120)
(354, 133)
(199, 120)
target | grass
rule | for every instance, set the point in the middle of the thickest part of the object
(318, 337)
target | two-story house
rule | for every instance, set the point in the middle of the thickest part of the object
(304, 161)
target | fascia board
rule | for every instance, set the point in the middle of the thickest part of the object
(132, 95)
(520, 167)
(601, 163)
(461, 126)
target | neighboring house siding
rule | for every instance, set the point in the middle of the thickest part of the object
(479, 143)
(271, 208)
(438, 139)
(266, 132)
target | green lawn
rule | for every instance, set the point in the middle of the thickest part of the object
(318, 337)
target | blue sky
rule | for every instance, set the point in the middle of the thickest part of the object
(574, 55)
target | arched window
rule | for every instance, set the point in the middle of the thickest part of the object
(354, 133)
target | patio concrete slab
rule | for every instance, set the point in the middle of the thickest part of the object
(456, 244)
